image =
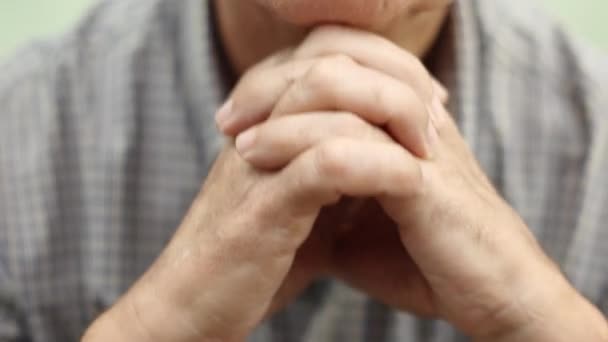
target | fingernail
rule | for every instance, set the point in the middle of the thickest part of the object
(224, 114)
(244, 142)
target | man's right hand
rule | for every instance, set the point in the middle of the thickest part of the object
(230, 262)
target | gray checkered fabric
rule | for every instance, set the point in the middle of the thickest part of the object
(107, 133)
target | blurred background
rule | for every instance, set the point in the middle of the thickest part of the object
(23, 20)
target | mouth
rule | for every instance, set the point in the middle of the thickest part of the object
(309, 13)
(362, 14)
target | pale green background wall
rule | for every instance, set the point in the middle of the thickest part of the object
(21, 20)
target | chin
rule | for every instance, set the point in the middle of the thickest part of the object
(370, 14)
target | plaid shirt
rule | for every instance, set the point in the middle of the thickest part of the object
(107, 133)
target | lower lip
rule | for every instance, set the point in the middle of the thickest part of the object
(317, 12)
(366, 14)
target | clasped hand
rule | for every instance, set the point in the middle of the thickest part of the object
(370, 121)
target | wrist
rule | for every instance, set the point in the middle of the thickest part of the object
(158, 307)
(142, 315)
(558, 313)
(170, 302)
(117, 324)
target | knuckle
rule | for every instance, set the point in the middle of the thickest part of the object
(317, 77)
(249, 85)
(403, 108)
(330, 159)
(251, 77)
(383, 98)
(319, 36)
(323, 74)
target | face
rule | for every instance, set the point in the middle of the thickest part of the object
(368, 14)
